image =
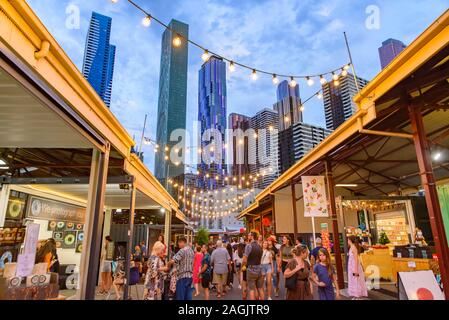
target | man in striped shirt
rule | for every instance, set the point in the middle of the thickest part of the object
(184, 269)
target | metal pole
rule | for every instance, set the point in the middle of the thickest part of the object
(130, 240)
(433, 205)
(314, 233)
(143, 134)
(336, 233)
(352, 63)
(295, 216)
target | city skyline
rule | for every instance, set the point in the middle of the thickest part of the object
(320, 28)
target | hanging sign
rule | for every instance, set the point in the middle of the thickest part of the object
(315, 200)
(45, 209)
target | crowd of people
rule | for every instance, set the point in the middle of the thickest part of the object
(258, 266)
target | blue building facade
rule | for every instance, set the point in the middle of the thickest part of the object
(99, 56)
(212, 115)
(172, 104)
(284, 90)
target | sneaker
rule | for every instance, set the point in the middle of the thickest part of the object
(269, 298)
(240, 287)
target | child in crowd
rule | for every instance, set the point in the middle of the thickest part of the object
(324, 276)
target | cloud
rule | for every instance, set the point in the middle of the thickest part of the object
(284, 36)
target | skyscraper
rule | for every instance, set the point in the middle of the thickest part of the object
(212, 116)
(266, 125)
(389, 50)
(99, 56)
(338, 104)
(172, 103)
(239, 124)
(288, 105)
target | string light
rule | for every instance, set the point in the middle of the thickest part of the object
(231, 66)
(319, 95)
(146, 22)
(254, 75)
(344, 72)
(323, 80)
(310, 81)
(206, 55)
(177, 41)
(334, 76)
(346, 67)
(275, 79)
(292, 82)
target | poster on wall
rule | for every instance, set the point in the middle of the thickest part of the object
(69, 240)
(315, 200)
(52, 225)
(16, 209)
(70, 226)
(60, 226)
(58, 235)
(79, 241)
(46, 209)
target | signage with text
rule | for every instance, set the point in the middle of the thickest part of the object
(45, 209)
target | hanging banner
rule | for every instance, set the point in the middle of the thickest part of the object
(315, 200)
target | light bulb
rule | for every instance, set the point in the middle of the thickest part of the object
(275, 79)
(319, 95)
(177, 41)
(292, 82)
(231, 66)
(114, 1)
(344, 73)
(336, 83)
(301, 108)
(346, 67)
(310, 81)
(323, 80)
(286, 119)
(146, 22)
(334, 76)
(270, 128)
(205, 56)
(166, 157)
(254, 75)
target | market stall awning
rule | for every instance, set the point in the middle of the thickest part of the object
(373, 150)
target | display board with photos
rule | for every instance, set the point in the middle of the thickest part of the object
(68, 235)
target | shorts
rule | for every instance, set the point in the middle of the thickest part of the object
(266, 268)
(255, 280)
(106, 266)
(220, 278)
(205, 280)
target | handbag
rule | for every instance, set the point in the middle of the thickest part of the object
(290, 283)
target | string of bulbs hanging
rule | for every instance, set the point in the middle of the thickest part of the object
(179, 38)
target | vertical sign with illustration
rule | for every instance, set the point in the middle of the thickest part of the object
(315, 199)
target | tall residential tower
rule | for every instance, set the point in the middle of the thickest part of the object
(99, 56)
(171, 113)
(212, 118)
(390, 49)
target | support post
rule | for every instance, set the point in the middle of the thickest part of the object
(295, 214)
(129, 249)
(90, 256)
(167, 231)
(333, 212)
(428, 183)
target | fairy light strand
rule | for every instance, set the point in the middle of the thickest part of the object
(254, 71)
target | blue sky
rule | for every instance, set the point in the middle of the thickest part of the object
(283, 36)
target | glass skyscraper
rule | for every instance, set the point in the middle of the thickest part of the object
(172, 103)
(212, 115)
(390, 49)
(99, 56)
